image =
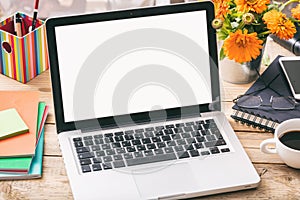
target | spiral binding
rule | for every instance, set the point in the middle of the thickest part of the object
(254, 121)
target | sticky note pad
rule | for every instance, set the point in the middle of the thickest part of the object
(11, 124)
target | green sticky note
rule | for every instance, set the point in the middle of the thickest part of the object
(11, 124)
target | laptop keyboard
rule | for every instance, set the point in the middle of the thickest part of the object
(153, 144)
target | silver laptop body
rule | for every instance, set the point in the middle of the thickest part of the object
(137, 105)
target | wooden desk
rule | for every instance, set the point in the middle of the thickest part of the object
(278, 180)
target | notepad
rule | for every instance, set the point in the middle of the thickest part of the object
(11, 124)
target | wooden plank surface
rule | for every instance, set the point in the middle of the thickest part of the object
(278, 180)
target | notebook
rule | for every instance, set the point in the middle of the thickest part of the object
(137, 105)
(266, 117)
(35, 165)
(23, 164)
(26, 103)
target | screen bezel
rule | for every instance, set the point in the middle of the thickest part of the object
(285, 69)
(143, 117)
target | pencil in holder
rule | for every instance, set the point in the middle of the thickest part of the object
(25, 56)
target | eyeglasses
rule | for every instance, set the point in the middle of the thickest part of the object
(277, 103)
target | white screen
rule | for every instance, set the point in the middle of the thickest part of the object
(76, 44)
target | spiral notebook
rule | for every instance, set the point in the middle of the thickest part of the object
(266, 117)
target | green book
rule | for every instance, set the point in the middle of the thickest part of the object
(11, 124)
(22, 164)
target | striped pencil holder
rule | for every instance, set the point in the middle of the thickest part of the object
(23, 58)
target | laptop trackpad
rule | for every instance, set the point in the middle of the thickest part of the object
(163, 181)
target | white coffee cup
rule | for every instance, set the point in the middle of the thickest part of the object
(290, 156)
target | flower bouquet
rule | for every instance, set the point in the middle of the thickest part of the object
(244, 26)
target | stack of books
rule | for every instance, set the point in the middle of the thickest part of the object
(22, 120)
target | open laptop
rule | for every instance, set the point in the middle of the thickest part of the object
(137, 105)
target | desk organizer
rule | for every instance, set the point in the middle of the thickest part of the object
(23, 58)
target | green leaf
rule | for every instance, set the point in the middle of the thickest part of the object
(222, 54)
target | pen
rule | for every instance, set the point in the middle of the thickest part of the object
(35, 12)
(18, 25)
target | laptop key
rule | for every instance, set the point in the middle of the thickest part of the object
(176, 136)
(118, 157)
(225, 150)
(126, 143)
(183, 154)
(149, 129)
(116, 145)
(136, 142)
(169, 126)
(106, 166)
(166, 138)
(194, 153)
(119, 133)
(181, 142)
(85, 168)
(129, 132)
(119, 138)
(78, 144)
(107, 158)
(129, 137)
(141, 147)
(158, 151)
(148, 152)
(96, 148)
(105, 146)
(179, 148)
(118, 164)
(131, 149)
(214, 150)
(100, 153)
(138, 154)
(161, 145)
(128, 156)
(96, 167)
(149, 134)
(78, 139)
(99, 141)
(205, 153)
(146, 141)
(97, 160)
(188, 128)
(156, 139)
(151, 146)
(82, 149)
(86, 155)
(108, 135)
(198, 146)
(151, 159)
(121, 150)
(85, 161)
(140, 130)
(98, 136)
(88, 137)
(88, 142)
(169, 150)
(110, 152)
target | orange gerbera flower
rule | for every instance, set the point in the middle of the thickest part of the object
(279, 24)
(221, 8)
(257, 6)
(242, 47)
(296, 12)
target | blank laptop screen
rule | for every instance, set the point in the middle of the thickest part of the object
(133, 65)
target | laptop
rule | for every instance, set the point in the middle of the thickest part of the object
(137, 105)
